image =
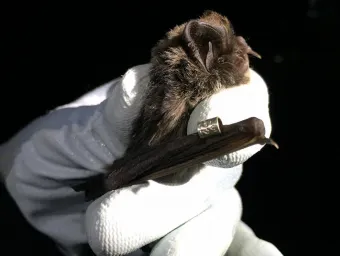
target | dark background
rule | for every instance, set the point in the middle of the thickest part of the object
(53, 55)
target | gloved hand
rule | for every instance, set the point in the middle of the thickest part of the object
(199, 217)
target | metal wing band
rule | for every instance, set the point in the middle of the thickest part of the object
(209, 127)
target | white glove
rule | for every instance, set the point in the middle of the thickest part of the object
(43, 160)
(199, 217)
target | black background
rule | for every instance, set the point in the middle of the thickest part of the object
(53, 55)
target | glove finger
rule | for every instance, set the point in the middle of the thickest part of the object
(124, 220)
(210, 233)
(125, 101)
(246, 243)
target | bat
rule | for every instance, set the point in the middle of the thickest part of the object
(191, 63)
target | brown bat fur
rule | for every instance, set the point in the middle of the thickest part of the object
(192, 62)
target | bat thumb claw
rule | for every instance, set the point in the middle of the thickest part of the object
(270, 141)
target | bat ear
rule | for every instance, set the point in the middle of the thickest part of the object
(205, 42)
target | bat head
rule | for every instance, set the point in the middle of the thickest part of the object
(207, 50)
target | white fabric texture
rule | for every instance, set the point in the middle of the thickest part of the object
(76, 140)
(210, 233)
